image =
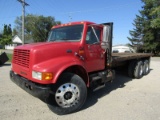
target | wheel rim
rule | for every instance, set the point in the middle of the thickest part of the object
(141, 70)
(147, 68)
(67, 95)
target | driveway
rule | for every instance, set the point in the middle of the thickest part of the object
(124, 99)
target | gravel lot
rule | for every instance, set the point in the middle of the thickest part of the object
(124, 99)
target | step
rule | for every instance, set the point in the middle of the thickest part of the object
(99, 87)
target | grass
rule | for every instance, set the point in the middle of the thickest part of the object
(10, 57)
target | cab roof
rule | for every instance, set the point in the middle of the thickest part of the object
(73, 23)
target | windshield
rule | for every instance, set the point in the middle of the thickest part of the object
(67, 33)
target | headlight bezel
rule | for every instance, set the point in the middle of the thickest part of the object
(37, 75)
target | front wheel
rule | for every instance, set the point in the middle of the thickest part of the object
(70, 94)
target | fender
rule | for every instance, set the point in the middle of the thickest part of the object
(57, 66)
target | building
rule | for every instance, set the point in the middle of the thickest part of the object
(122, 49)
(15, 42)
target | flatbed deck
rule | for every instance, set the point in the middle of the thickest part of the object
(118, 58)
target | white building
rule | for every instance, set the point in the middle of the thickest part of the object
(122, 49)
(16, 41)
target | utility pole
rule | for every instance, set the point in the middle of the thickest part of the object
(23, 17)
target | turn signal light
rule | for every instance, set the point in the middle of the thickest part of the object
(47, 76)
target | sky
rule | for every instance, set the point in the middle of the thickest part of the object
(121, 12)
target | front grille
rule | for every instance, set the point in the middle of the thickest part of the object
(21, 57)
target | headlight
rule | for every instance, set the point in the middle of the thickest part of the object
(37, 75)
(42, 76)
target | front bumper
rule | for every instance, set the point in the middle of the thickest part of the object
(37, 90)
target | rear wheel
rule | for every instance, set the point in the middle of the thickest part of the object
(70, 94)
(131, 69)
(146, 67)
(138, 72)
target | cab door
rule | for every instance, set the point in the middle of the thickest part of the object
(94, 53)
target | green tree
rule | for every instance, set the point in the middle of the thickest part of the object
(137, 34)
(6, 36)
(14, 32)
(149, 25)
(151, 29)
(155, 23)
(36, 27)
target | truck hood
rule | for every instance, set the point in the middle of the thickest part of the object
(44, 51)
(35, 45)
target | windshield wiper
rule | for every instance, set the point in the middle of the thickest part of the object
(51, 40)
(64, 39)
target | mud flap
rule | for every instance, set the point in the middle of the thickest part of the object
(3, 58)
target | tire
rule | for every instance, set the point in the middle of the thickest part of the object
(146, 67)
(70, 94)
(131, 69)
(138, 72)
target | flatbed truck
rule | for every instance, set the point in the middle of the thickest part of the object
(77, 56)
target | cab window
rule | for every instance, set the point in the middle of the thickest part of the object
(93, 35)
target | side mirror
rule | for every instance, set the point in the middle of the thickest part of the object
(106, 37)
(106, 43)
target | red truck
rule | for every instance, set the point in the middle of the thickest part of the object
(76, 56)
